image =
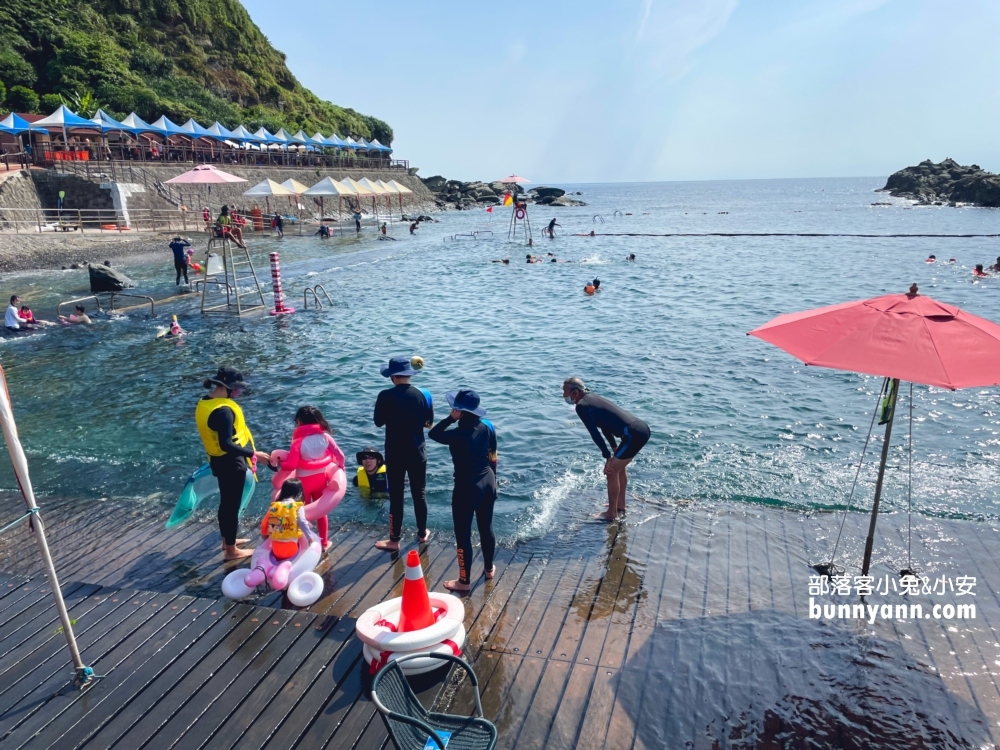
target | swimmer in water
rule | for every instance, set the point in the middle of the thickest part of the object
(953, 260)
(79, 316)
(931, 259)
(597, 285)
(592, 233)
(529, 258)
(631, 258)
(505, 261)
(996, 266)
(978, 271)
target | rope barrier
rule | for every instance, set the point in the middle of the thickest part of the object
(22, 519)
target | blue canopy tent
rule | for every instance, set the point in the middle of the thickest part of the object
(270, 137)
(192, 128)
(350, 144)
(165, 127)
(137, 124)
(306, 140)
(218, 130)
(378, 146)
(106, 123)
(14, 125)
(336, 141)
(243, 135)
(62, 119)
(291, 138)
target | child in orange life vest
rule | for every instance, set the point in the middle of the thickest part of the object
(280, 523)
(312, 451)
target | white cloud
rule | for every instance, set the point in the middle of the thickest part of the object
(669, 33)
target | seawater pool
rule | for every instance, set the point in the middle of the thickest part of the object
(106, 412)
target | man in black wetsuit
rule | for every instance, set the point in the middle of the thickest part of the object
(601, 416)
(552, 228)
(178, 246)
(404, 411)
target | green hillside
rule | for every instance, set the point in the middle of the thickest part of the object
(183, 58)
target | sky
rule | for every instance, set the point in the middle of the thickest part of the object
(650, 90)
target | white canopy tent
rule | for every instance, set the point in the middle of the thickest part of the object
(329, 187)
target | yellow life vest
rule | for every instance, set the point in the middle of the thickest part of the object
(363, 476)
(209, 437)
(283, 521)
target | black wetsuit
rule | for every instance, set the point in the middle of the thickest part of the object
(601, 416)
(473, 445)
(230, 470)
(180, 260)
(403, 411)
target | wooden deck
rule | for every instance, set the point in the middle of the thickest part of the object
(683, 627)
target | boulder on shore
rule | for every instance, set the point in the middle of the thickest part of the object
(545, 192)
(947, 182)
(107, 279)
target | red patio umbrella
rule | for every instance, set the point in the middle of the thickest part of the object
(899, 337)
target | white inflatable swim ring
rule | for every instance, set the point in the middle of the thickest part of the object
(377, 626)
(378, 659)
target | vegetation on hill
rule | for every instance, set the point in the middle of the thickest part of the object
(182, 58)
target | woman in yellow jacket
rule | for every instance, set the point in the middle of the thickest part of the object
(229, 446)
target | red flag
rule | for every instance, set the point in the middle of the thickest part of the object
(489, 209)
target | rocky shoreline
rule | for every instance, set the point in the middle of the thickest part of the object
(465, 195)
(946, 183)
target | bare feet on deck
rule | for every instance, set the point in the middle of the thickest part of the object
(387, 545)
(488, 574)
(240, 540)
(605, 516)
(425, 538)
(457, 585)
(235, 553)
(326, 547)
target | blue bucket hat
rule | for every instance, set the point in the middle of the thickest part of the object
(398, 366)
(466, 400)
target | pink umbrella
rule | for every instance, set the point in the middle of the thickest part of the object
(204, 174)
(512, 179)
(899, 337)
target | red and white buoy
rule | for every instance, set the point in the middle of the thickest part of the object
(279, 296)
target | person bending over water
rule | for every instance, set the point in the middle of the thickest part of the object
(551, 228)
(229, 445)
(323, 232)
(473, 445)
(404, 411)
(601, 416)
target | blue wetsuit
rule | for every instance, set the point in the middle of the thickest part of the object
(473, 446)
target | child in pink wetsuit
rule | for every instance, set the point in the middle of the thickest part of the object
(312, 452)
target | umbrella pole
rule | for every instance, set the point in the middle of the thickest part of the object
(869, 542)
(83, 674)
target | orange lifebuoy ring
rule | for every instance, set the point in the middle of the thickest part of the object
(519, 213)
(115, 227)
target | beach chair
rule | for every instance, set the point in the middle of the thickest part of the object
(412, 727)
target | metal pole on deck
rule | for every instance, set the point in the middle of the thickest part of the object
(84, 674)
(870, 541)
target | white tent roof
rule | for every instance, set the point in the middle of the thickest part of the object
(375, 188)
(269, 188)
(329, 186)
(295, 186)
(402, 189)
(387, 187)
(358, 188)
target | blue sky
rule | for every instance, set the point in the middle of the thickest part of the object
(645, 90)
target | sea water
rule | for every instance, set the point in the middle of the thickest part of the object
(106, 412)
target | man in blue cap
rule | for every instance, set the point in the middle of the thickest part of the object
(404, 411)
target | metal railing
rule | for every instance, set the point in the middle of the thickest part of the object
(99, 154)
(314, 292)
(137, 220)
(75, 301)
(15, 160)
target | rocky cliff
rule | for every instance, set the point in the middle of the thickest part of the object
(463, 195)
(946, 183)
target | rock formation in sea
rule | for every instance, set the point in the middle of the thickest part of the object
(946, 183)
(463, 195)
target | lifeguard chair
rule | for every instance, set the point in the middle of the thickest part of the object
(228, 266)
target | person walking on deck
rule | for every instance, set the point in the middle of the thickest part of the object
(626, 433)
(404, 411)
(230, 447)
(473, 445)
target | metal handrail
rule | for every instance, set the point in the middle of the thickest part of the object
(81, 299)
(152, 304)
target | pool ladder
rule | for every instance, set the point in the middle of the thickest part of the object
(314, 291)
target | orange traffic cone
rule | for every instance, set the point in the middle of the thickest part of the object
(415, 612)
